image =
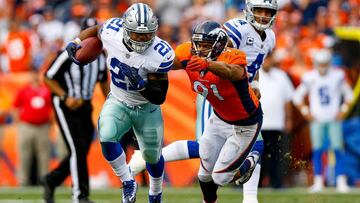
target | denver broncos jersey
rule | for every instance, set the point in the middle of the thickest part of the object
(233, 101)
(158, 58)
(244, 37)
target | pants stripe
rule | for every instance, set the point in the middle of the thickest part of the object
(73, 160)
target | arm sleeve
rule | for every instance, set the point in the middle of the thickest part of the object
(155, 91)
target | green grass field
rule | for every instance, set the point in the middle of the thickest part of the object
(185, 195)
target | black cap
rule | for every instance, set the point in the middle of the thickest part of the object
(87, 22)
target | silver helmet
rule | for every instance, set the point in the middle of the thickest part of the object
(268, 4)
(139, 18)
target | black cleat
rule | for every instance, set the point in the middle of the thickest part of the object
(48, 191)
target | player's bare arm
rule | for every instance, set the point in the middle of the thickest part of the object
(90, 32)
(231, 72)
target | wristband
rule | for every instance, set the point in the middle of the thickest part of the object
(304, 110)
(255, 84)
(77, 41)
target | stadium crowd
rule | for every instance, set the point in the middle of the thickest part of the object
(33, 31)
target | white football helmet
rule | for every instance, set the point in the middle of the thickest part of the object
(268, 4)
(139, 18)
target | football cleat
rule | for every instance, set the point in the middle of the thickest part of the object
(254, 158)
(137, 163)
(129, 191)
(48, 191)
(155, 198)
(341, 184)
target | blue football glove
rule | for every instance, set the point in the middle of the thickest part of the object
(136, 81)
(71, 49)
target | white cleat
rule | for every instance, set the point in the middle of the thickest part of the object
(316, 188)
(341, 184)
(137, 163)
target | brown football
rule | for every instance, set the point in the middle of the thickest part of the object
(90, 49)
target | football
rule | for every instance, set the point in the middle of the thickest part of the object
(90, 49)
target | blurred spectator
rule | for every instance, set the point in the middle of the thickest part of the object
(169, 13)
(202, 10)
(33, 104)
(37, 45)
(276, 90)
(51, 31)
(325, 86)
(17, 47)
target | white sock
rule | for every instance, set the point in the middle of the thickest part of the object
(250, 188)
(120, 168)
(177, 150)
(155, 186)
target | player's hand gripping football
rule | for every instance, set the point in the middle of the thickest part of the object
(197, 63)
(71, 49)
(136, 81)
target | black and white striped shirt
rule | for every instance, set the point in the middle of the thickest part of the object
(77, 81)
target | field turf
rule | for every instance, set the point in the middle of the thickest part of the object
(185, 195)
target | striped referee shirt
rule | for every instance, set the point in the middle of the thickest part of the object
(77, 81)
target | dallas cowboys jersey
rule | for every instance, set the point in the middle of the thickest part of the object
(325, 93)
(158, 58)
(244, 37)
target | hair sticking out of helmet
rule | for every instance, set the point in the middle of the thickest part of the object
(140, 25)
(260, 21)
(208, 40)
(87, 22)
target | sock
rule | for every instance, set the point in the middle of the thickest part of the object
(115, 155)
(259, 147)
(156, 172)
(250, 188)
(316, 158)
(177, 150)
(209, 190)
(339, 164)
(245, 167)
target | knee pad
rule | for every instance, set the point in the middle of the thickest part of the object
(107, 130)
(204, 178)
(221, 179)
(151, 156)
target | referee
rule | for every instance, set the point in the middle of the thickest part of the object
(72, 87)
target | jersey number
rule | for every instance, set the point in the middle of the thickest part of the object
(115, 24)
(163, 48)
(324, 95)
(205, 90)
(255, 66)
(117, 78)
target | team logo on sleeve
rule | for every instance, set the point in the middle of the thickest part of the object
(250, 41)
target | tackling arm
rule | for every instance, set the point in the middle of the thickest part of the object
(231, 72)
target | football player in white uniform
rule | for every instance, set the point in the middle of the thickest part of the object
(138, 61)
(326, 86)
(255, 37)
